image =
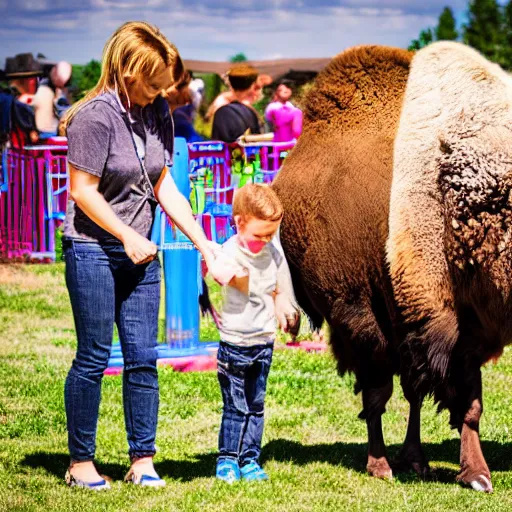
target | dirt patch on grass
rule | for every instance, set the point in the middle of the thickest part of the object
(21, 276)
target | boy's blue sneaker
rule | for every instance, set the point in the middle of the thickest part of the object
(253, 472)
(228, 470)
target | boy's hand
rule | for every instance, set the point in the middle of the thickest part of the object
(293, 324)
(290, 323)
(287, 316)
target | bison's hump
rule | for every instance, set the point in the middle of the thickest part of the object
(359, 77)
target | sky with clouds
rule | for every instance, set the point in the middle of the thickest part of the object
(76, 30)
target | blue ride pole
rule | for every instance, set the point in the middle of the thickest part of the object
(181, 274)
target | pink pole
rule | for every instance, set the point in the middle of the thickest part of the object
(38, 164)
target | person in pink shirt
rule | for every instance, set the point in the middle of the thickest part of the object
(285, 118)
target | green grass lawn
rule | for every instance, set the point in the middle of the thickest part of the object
(314, 445)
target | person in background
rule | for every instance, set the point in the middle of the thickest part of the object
(228, 96)
(180, 99)
(284, 117)
(50, 101)
(196, 90)
(237, 117)
(22, 72)
(17, 123)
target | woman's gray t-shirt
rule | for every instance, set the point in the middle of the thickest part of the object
(100, 143)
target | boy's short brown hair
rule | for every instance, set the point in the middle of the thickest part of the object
(258, 201)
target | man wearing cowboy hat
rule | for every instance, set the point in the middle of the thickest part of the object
(22, 72)
(17, 123)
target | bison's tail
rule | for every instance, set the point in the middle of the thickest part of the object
(441, 335)
(429, 353)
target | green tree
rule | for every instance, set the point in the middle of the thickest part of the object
(507, 58)
(239, 57)
(425, 38)
(485, 29)
(445, 30)
(85, 78)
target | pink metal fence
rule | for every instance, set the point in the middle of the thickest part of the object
(270, 155)
(33, 192)
(32, 202)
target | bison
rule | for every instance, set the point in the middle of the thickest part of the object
(397, 230)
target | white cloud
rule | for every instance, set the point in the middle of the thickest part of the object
(33, 5)
(212, 32)
(127, 4)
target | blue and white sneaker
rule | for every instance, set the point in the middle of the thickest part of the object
(100, 485)
(227, 470)
(253, 472)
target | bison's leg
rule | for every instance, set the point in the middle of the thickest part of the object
(374, 403)
(465, 412)
(359, 344)
(412, 455)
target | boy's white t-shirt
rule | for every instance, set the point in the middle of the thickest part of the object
(249, 320)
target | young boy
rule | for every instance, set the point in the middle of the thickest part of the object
(258, 293)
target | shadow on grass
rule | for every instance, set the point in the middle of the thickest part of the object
(201, 466)
(57, 463)
(354, 455)
(348, 455)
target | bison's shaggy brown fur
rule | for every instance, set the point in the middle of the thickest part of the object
(335, 187)
(397, 229)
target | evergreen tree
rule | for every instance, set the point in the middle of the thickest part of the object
(507, 58)
(485, 29)
(424, 39)
(445, 30)
(239, 57)
(84, 78)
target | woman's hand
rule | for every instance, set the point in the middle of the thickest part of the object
(138, 248)
(210, 252)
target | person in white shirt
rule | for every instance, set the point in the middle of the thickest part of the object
(259, 295)
(44, 101)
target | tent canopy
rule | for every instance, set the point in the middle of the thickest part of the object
(277, 69)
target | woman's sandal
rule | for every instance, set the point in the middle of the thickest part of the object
(100, 485)
(138, 478)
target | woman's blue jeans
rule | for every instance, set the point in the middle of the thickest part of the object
(105, 286)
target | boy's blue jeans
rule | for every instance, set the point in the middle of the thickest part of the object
(105, 286)
(242, 373)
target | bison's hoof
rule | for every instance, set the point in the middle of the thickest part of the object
(422, 469)
(481, 483)
(379, 468)
(415, 460)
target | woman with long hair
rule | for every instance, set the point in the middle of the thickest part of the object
(120, 139)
